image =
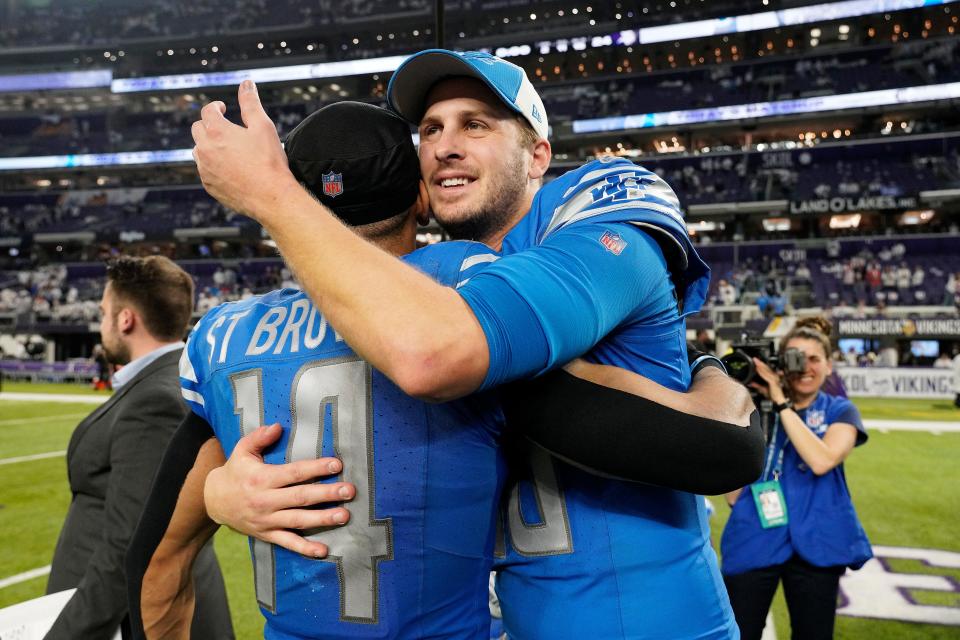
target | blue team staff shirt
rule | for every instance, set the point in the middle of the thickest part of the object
(414, 560)
(822, 526)
(602, 255)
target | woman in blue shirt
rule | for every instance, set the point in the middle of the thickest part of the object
(797, 522)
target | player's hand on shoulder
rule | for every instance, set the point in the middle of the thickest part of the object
(271, 502)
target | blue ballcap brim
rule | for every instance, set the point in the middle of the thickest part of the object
(413, 79)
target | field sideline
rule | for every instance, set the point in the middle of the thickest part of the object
(903, 483)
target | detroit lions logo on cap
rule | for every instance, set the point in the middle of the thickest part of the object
(332, 184)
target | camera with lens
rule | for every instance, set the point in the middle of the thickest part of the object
(741, 368)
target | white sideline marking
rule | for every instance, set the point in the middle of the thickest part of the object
(52, 397)
(769, 632)
(40, 419)
(912, 425)
(36, 456)
(23, 577)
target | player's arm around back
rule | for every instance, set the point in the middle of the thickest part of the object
(171, 533)
(166, 596)
(707, 440)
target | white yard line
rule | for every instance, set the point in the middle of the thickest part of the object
(23, 577)
(769, 632)
(40, 420)
(913, 425)
(36, 456)
(53, 397)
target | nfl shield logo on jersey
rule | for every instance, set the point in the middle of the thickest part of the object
(332, 184)
(613, 242)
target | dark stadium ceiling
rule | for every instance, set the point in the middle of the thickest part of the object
(563, 72)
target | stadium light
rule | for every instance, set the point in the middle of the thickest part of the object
(648, 35)
(754, 110)
(839, 102)
(96, 159)
(62, 80)
(262, 75)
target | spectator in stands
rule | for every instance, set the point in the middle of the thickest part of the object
(799, 524)
(889, 278)
(206, 301)
(943, 361)
(102, 380)
(904, 277)
(743, 277)
(772, 301)
(802, 273)
(114, 453)
(727, 293)
(851, 358)
(889, 356)
(871, 277)
(919, 275)
(848, 276)
(950, 290)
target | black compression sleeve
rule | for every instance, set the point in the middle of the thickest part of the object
(177, 462)
(621, 435)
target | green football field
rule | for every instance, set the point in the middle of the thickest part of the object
(904, 486)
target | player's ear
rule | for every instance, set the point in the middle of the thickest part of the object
(421, 207)
(541, 159)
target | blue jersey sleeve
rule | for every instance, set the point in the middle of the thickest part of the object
(546, 305)
(842, 410)
(452, 263)
(191, 373)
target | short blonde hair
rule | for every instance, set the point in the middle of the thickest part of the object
(528, 137)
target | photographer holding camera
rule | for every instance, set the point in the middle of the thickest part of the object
(797, 522)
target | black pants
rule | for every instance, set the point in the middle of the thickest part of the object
(811, 594)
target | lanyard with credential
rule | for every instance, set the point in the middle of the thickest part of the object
(772, 450)
(767, 494)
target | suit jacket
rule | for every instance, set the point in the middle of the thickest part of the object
(111, 462)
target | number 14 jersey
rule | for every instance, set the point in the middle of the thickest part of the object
(414, 559)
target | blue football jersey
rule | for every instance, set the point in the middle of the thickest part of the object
(415, 557)
(589, 557)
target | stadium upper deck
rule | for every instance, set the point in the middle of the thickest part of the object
(734, 168)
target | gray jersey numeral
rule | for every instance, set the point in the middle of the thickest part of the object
(552, 535)
(342, 388)
(248, 405)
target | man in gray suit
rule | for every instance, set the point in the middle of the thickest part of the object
(114, 454)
